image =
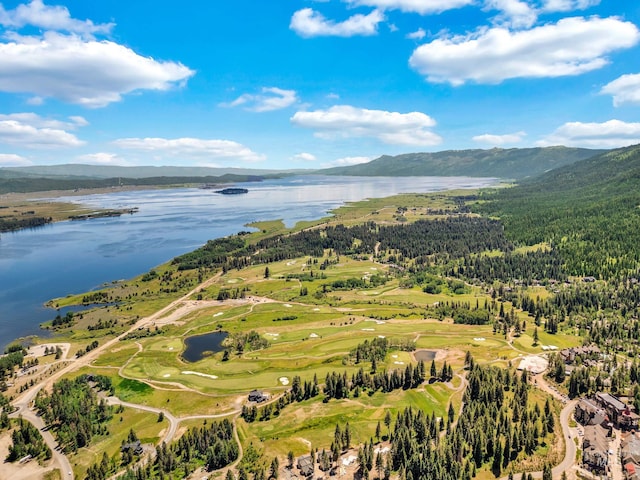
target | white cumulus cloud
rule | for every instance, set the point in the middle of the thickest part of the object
(304, 157)
(417, 35)
(415, 6)
(35, 120)
(29, 130)
(47, 17)
(610, 134)
(102, 158)
(13, 160)
(347, 161)
(500, 139)
(570, 47)
(567, 5)
(270, 98)
(192, 148)
(514, 13)
(389, 127)
(310, 23)
(86, 72)
(625, 89)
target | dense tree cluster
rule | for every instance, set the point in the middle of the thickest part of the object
(587, 212)
(213, 445)
(529, 268)
(11, 224)
(424, 242)
(27, 441)
(13, 357)
(376, 350)
(298, 392)
(74, 410)
(340, 386)
(246, 342)
(497, 424)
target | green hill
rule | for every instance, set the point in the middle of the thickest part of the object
(588, 211)
(513, 163)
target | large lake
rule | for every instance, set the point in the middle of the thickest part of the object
(71, 257)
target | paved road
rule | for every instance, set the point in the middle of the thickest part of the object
(23, 402)
(58, 457)
(567, 463)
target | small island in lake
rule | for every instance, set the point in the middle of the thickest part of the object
(232, 191)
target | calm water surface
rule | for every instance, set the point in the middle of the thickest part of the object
(196, 346)
(71, 257)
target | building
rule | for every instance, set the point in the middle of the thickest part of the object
(618, 412)
(589, 413)
(595, 448)
(305, 465)
(630, 456)
(134, 447)
(591, 352)
(257, 396)
(629, 420)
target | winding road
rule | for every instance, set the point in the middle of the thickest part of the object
(22, 403)
(567, 463)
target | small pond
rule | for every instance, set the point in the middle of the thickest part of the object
(199, 346)
(425, 355)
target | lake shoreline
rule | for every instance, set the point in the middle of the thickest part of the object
(66, 258)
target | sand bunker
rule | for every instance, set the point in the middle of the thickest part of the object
(166, 375)
(287, 305)
(479, 339)
(284, 380)
(189, 372)
(314, 335)
(218, 314)
(399, 363)
(368, 329)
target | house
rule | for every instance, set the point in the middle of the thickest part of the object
(595, 448)
(305, 465)
(630, 456)
(630, 471)
(569, 355)
(589, 413)
(628, 420)
(257, 396)
(134, 447)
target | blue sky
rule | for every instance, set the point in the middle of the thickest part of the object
(309, 84)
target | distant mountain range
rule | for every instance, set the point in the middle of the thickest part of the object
(112, 171)
(512, 163)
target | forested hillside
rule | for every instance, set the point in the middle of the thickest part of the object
(513, 163)
(40, 184)
(589, 212)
